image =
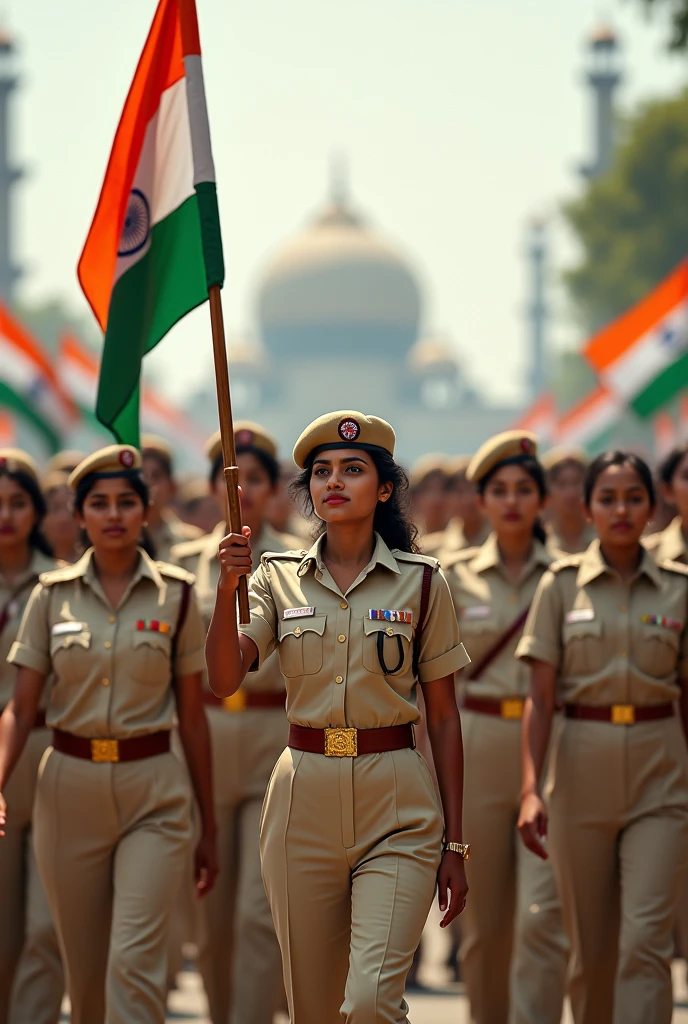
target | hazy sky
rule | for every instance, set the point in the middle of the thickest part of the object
(460, 118)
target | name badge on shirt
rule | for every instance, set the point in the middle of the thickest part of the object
(580, 615)
(391, 614)
(60, 628)
(298, 613)
(476, 611)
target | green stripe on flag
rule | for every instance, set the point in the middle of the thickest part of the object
(9, 399)
(210, 233)
(662, 389)
(150, 298)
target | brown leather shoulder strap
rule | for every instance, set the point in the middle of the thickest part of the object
(424, 602)
(476, 670)
(181, 619)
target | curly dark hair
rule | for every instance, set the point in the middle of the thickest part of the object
(37, 541)
(392, 520)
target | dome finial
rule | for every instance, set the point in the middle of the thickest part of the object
(339, 179)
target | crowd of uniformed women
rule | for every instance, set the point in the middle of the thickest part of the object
(269, 795)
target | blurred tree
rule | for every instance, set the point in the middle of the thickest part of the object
(678, 15)
(632, 223)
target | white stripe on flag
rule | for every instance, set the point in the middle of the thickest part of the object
(204, 168)
(650, 355)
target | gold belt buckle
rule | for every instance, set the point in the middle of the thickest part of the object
(105, 751)
(235, 703)
(512, 709)
(341, 742)
(623, 714)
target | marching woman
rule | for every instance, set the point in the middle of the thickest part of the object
(568, 528)
(352, 831)
(513, 950)
(673, 541)
(31, 976)
(120, 640)
(607, 632)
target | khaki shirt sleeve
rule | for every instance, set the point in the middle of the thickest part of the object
(441, 650)
(31, 649)
(683, 657)
(190, 654)
(262, 628)
(541, 639)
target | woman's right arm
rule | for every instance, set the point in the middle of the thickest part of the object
(537, 725)
(229, 654)
(16, 723)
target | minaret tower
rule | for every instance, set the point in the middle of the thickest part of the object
(9, 174)
(536, 254)
(604, 76)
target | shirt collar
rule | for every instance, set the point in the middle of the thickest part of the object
(673, 544)
(593, 565)
(489, 557)
(146, 568)
(381, 556)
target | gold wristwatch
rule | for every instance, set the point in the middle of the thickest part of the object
(463, 849)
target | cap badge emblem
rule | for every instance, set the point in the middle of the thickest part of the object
(244, 438)
(3, 463)
(527, 446)
(349, 430)
(126, 458)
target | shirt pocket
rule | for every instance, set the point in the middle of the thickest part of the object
(301, 646)
(584, 651)
(150, 658)
(392, 640)
(69, 654)
(657, 654)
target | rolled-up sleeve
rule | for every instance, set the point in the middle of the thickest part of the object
(441, 650)
(190, 655)
(541, 639)
(31, 649)
(262, 628)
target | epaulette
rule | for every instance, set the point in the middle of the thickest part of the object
(189, 548)
(176, 572)
(409, 556)
(569, 562)
(282, 556)
(454, 557)
(652, 541)
(671, 566)
(66, 572)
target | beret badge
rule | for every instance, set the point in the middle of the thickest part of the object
(126, 458)
(349, 430)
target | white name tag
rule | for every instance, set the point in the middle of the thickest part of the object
(298, 613)
(476, 611)
(66, 627)
(580, 615)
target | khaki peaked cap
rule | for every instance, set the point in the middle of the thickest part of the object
(14, 460)
(511, 444)
(344, 429)
(115, 460)
(246, 435)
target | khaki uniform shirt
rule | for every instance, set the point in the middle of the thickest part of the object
(611, 643)
(13, 598)
(487, 602)
(558, 547)
(200, 558)
(111, 677)
(170, 531)
(445, 543)
(327, 641)
(668, 544)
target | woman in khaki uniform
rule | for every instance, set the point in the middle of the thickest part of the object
(239, 957)
(568, 528)
(351, 835)
(119, 637)
(467, 527)
(672, 542)
(164, 528)
(513, 950)
(29, 953)
(608, 633)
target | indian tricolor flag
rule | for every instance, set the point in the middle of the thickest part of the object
(540, 418)
(643, 356)
(154, 247)
(585, 423)
(29, 385)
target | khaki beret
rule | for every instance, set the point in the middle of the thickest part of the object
(58, 478)
(158, 445)
(14, 460)
(511, 444)
(555, 457)
(344, 429)
(246, 435)
(65, 461)
(193, 489)
(115, 460)
(426, 466)
(458, 465)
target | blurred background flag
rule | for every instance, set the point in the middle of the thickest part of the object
(154, 246)
(8, 433)
(585, 424)
(665, 433)
(642, 357)
(29, 386)
(540, 418)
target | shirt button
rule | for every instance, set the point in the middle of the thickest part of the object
(106, 682)
(339, 679)
(108, 644)
(389, 631)
(297, 631)
(623, 608)
(341, 638)
(343, 605)
(112, 619)
(623, 654)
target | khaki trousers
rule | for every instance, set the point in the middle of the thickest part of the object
(111, 844)
(31, 976)
(350, 850)
(620, 853)
(239, 956)
(514, 951)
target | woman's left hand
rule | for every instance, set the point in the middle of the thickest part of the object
(205, 864)
(452, 886)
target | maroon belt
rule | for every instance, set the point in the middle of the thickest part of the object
(343, 742)
(511, 708)
(38, 722)
(246, 699)
(109, 751)
(619, 714)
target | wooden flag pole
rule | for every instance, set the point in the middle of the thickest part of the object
(224, 404)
